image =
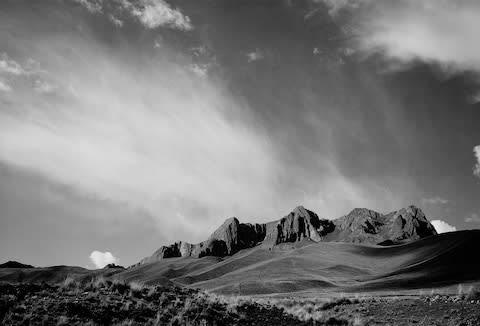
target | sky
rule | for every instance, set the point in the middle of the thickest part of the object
(129, 124)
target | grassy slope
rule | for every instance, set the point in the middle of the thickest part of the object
(439, 260)
(53, 274)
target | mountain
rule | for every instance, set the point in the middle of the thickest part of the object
(14, 264)
(366, 226)
(361, 225)
(326, 266)
(228, 239)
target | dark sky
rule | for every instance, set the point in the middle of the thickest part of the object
(126, 125)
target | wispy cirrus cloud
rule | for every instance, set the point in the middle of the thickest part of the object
(442, 33)
(335, 6)
(9, 70)
(155, 13)
(438, 32)
(44, 87)
(94, 6)
(12, 71)
(8, 66)
(255, 55)
(476, 168)
(150, 13)
(473, 218)
(434, 201)
(150, 134)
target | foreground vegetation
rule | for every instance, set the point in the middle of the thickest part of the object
(99, 301)
(105, 302)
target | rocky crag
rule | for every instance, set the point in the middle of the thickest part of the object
(361, 225)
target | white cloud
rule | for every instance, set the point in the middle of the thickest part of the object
(473, 218)
(476, 168)
(94, 6)
(12, 70)
(101, 259)
(436, 31)
(155, 13)
(151, 13)
(442, 226)
(201, 70)
(9, 70)
(44, 87)
(115, 20)
(335, 6)
(254, 55)
(475, 98)
(434, 201)
(4, 87)
(9, 66)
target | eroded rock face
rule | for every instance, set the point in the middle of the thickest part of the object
(164, 252)
(238, 236)
(361, 225)
(410, 223)
(228, 239)
(298, 225)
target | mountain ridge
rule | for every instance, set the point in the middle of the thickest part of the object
(361, 225)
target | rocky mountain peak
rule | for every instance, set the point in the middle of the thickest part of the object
(361, 225)
(410, 223)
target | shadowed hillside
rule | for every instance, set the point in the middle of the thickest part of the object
(434, 261)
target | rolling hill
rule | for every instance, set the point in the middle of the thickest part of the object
(434, 261)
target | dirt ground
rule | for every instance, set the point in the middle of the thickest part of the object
(436, 310)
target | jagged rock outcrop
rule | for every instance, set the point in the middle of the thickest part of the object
(228, 239)
(361, 225)
(410, 223)
(298, 225)
(238, 236)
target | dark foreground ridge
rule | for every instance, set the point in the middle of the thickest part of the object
(14, 264)
(102, 302)
(361, 225)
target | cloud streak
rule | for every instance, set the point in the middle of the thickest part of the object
(476, 168)
(434, 201)
(335, 6)
(4, 87)
(150, 134)
(155, 13)
(150, 13)
(438, 32)
(473, 218)
(9, 66)
(254, 55)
